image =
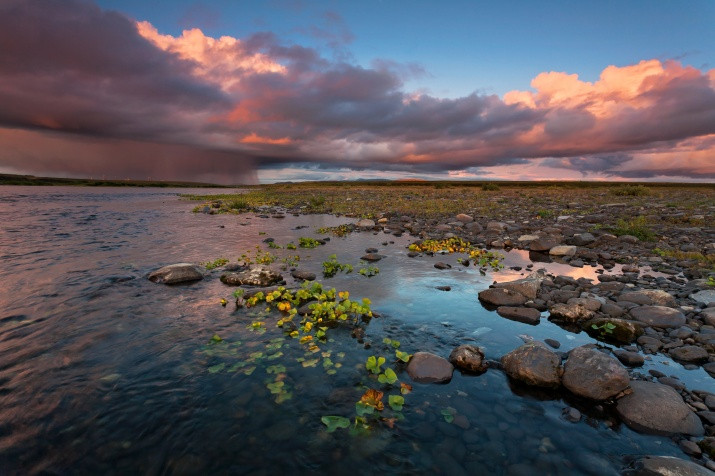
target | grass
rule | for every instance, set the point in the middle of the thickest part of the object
(631, 191)
(637, 227)
(704, 261)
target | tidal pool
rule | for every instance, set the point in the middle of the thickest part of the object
(105, 372)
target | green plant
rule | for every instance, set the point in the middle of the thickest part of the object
(274, 245)
(710, 281)
(545, 213)
(316, 201)
(388, 376)
(637, 227)
(490, 187)
(215, 263)
(606, 329)
(374, 363)
(631, 190)
(304, 242)
(237, 204)
(335, 422)
(291, 246)
(368, 270)
(403, 356)
(333, 266)
(396, 402)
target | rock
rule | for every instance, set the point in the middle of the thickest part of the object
(658, 316)
(365, 223)
(708, 316)
(533, 365)
(690, 448)
(302, 275)
(425, 367)
(468, 358)
(657, 409)
(528, 286)
(666, 466)
(502, 297)
(443, 288)
(570, 312)
(706, 296)
(524, 238)
(624, 332)
(545, 243)
(649, 297)
(589, 303)
(553, 343)
(176, 273)
(526, 315)
(592, 374)
(464, 218)
(371, 257)
(256, 275)
(631, 359)
(689, 354)
(441, 265)
(583, 239)
(563, 250)
(496, 227)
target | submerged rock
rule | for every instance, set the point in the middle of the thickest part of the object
(371, 257)
(256, 275)
(592, 374)
(657, 409)
(468, 358)
(533, 364)
(658, 316)
(425, 367)
(665, 466)
(176, 273)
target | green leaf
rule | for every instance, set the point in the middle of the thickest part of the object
(275, 387)
(335, 422)
(448, 414)
(216, 368)
(373, 364)
(216, 339)
(362, 409)
(388, 377)
(396, 402)
(403, 356)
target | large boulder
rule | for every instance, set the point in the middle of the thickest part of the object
(527, 315)
(256, 275)
(177, 273)
(563, 250)
(658, 316)
(425, 367)
(502, 297)
(533, 364)
(592, 374)
(545, 243)
(468, 358)
(690, 354)
(665, 466)
(657, 409)
(528, 286)
(706, 296)
(655, 297)
(570, 312)
(619, 330)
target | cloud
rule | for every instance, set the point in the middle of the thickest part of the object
(258, 101)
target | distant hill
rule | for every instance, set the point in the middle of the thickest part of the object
(11, 179)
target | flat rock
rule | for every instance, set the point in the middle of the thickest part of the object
(526, 315)
(658, 316)
(656, 297)
(468, 358)
(690, 354)
(624, 331)
(545, 243)
(666, 466)
(464, 218)
(365, 223)
(425, 367)
(563, 250)
(371, 257)
(302, 275)
(706, 296)
(592, 374)
(533, 364)
(528, 286)
(631, 359)
(256, 275)
(441, 265)
(657, 409)
(176, 273)
(502, 297)
(570, 312)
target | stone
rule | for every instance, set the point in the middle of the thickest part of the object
(708, 316)
(365, 223)
(631, 359)
(666, 466)
(545, 243)
(371, 257)
(176, 273)
(570, 312)
(689, 354)
(656, 297)
(583, 239)
(658, 316)
(624, 332)
(464, 218)
(657, 409)
(524, 238)
(302, 275)
(563, 250)
(425, 367)
(441, 265)
(706, 296)
(592, 374)
(502, 297)
(528, 286)
(468, 358)
(589, 303)
(496, 227)
(533, 364)
(526, 315)
(256, 275)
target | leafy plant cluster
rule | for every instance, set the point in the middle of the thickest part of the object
(480, 257)
(631, 191)
(637, 226)
(332, 266)
(605, 330)
(368, 270)
(304, 242)
(339, 231)
(218, 262)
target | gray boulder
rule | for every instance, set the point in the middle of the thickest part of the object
(666, 466)
(177, 273)
(570, 312)
(502, 297)
(464, 218)
(425, 367)
(592, 374)
(706, 296)
(655, 297)
(256, 275)
(658, 316)
(468, 358)
(533, 364)
(545, 243)
(528, 286)
(563, 250)
(690, 354)
(657, 409)
(526, 315)
(623, 331)
(302, 275)
(365, 223)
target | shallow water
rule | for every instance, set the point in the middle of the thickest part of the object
(102, 371)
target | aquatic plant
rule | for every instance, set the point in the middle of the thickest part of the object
(481, 257)
(304, 242)
(340, 230)
(218, 262)
(332, 266)
(373, 364)
(368, 270)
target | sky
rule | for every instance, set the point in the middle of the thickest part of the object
(241, 91)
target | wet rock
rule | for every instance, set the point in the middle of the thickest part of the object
(690, 448)
(365, 223)
(176, 273)
(468, 358)
(658, 316)
(624, 332)
(570, 312)
(302, 275)
(443, 288)
(582, 239)
(371, 257)
(592, 374)
(528, 286)
(256, 275)
(563, 250)
(545, 243)
(706, 296)
(631, 359)
(657, 409)
(571, 414)
(526, 315)
(665, 466)
(553, 343)
(441, 265)
(533, 364)
(502, 297)
(689, 354)
(425, 367)
(656, 297)
(589, 303)
(464, 218)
